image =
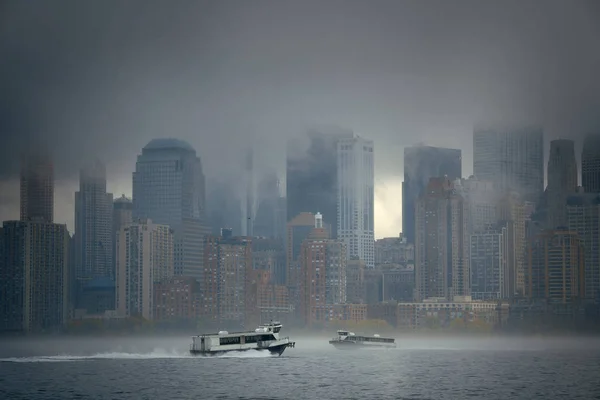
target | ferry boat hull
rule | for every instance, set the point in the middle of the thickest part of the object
(274, 350)
(351, 345)
(265, 338)
(348, 341)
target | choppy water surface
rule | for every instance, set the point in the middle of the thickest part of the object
(130, 368)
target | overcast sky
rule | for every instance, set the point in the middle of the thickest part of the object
(102, 78)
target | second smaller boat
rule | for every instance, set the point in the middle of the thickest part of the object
(346, 340)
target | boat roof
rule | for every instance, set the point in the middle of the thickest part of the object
(239, 333)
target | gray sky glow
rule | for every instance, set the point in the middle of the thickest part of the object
(102, 78)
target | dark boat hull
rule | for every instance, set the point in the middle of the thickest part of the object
(351, 345)
(274, 350)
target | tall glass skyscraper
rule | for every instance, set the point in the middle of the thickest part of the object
(512, 158)
(168, 189)
(590, 164)
(311, 181)
(93, 225)
(355, 198)
(37, 188)
(420, 164)
(168, 183)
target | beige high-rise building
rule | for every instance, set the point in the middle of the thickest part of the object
(227, 272)
(515, 212)
(144, 257)
(323, 266)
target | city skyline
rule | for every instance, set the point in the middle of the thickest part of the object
(383, 226)
(399, 85)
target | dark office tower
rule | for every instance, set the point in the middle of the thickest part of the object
(590, 164)
(512, 158)
(34, 280)
(420, 164)
(311, 183)
(249, 205)
(442, 243)
(267, 222)
(93, 225)
(168, 189)
(562, 181)
(37, 188)
(555, 267)
(583, 212)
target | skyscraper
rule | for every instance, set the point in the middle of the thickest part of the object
(323, 266)
(228, 266)
(93, 225)
(489, 267)
(122, 213)
(144, 257)
(311, 182)
(590, 164)
(420, 164)
(270, 218)
(34, 280)
(583, 216)
(168, 188)
(442, 243)
(562, 181)
(37, 188)
(355, 194)
(555, 267)
(512, 158)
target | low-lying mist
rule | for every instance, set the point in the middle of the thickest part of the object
(175, 347)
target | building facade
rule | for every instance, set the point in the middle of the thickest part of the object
(323, 265)
(34, 277)
(227, 272)
(562, 182)
(590, 164)
(168, 188)
(311, 181)
(420, 164)
(93, 237)
(510, 157)
(583, 215)
(145, 257)
(442, 243)
(355, 198)
(37, 188)
(489, 267)
(555, 267)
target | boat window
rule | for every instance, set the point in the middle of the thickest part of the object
(251, 339)
(229, 340)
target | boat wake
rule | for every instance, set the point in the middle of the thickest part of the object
(154, 354)
(245, 354)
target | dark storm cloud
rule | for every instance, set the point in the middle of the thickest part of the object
(100, 79)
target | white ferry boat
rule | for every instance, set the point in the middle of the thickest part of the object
(346, 340)
(265, 338)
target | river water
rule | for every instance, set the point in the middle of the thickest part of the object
(453, 368)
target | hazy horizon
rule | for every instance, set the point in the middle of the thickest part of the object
(102, 79)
